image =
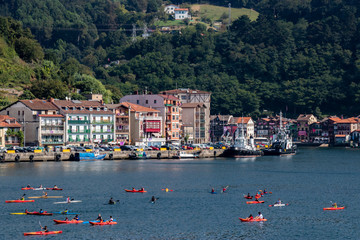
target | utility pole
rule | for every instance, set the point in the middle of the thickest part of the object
(145, 32)
(229, 14)
(133, 35)
(24, 129)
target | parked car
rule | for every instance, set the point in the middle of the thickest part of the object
(80, 149)
(126, 148)
(155, 148)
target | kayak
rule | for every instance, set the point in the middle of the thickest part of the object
(254, 202)
(96, 221)
(257, 196)
(19, 201)
(213, 192)
(39, 188)
(42, 233)
(73, 201)
(333, 208)
(27, 188)
(66, 213)
(253, 220)
(102, 223)
(47, 197)
(38, 213)
(140, 191)
(58, 189)
(278, 205)
(68, 221)
(247, 197)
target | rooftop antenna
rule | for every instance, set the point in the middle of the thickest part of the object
(133, 35)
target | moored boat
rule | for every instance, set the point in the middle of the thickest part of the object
(88, 156)
(183, 154)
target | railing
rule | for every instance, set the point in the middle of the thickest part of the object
(52, 132)
(103, 131)
(52, 124)
(80, 131)
(102, 122)
(52, 142)
(78, 121)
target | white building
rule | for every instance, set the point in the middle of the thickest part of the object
(181, 13)
(170, 9)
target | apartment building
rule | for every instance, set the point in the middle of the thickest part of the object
(122, 123)
(9, 138)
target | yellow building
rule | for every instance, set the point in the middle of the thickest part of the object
(7, 123)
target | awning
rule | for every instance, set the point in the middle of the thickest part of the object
(156, 134)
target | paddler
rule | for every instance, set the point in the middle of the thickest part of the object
(45, 194)
(111, 219)
(334, 205)
(45, 229)
(41, 211)
(259, 216)
(23, 197)
(99, 218)
(224, 189)
(66, 219)
(28, 186)
(111, 201)
(76, 217)
(278, 201)
(55, 187)
(68, 200)
(212, 190)
(248, 196)
(153, 199)
(64, 212)
(250, 217)
(142, 189)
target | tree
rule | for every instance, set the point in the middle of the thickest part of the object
(28, 49)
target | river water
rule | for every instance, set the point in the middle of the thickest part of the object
(308, 181)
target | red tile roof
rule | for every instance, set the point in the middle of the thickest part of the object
(169, 97)
(246, 119)
(52, 115)
(304, 117)
(5, 122)
(138, 108)
(81, 107)
(77, 103)
(181, 9)
(38, 104)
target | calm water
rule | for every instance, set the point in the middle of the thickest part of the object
(307, 181)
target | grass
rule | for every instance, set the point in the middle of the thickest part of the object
(215, 12)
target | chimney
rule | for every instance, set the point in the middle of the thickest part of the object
(51, 100)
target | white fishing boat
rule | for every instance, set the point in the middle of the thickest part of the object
(183, 154)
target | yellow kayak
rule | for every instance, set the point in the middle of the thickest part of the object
(47, 197)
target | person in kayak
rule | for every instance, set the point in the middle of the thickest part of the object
(334, 205)
(99, 218)
(248, 196)
(44, 229)
(55, 187)
(142, 189)
(76, 217)
(41, 211)
(278, 202)
(28, 186)
(40, 186)
(66, 219)
(257, 200)
(111, 219)
(224, 189)
(250, 217)
(23, 197)
(212, 190)
(111, 201)
(64, 212)
(133, 189)
(68, 200)
(264, 191)
(45, 194)
(259, 216)
(153, 199)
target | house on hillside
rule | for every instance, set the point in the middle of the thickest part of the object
(181, 13)
(303, 123)
(170, 9)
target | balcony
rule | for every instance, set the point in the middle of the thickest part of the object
(102, 122)
(44, 124)
(79, 131)
(78, 121)
(103, 131)
(50, 141)
(52, 132)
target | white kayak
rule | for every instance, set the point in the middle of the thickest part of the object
(39, 188)
(73, 201)
(278, 205)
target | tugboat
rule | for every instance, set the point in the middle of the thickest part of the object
(242, 148)
(281, 144)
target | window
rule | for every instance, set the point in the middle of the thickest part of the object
(154, 101)
(7, 113)
(177, 117)
(137, 101)
(146, 101)
(19, 113)
(23, 113)
(173, 117)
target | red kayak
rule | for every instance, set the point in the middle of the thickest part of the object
(333, 208)
(42, 233)
(68, 221)
(19, 201)
(254, 202)
(58, 189)
(102, 223)
(248, 197)
(27, 188)
(140, 191)
(38, 213)
(253, 220)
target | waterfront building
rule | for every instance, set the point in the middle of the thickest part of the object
(303, 124)
(199, 124)
(145, 125)
(122, 124)
(8, 129)
(218, 126)
(31, 114)
(169, 109)
(87, 122)
(247, 125)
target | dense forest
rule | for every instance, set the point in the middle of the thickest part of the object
(298, 56)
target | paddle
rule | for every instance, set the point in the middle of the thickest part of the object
(18, 213)
(225, 189)
(168, 190)
(40, 225)
(153, 201)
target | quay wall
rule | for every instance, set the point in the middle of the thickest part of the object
(120, 155)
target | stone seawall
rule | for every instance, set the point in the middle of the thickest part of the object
(121, 155)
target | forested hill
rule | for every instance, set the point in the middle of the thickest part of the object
(298, 56)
